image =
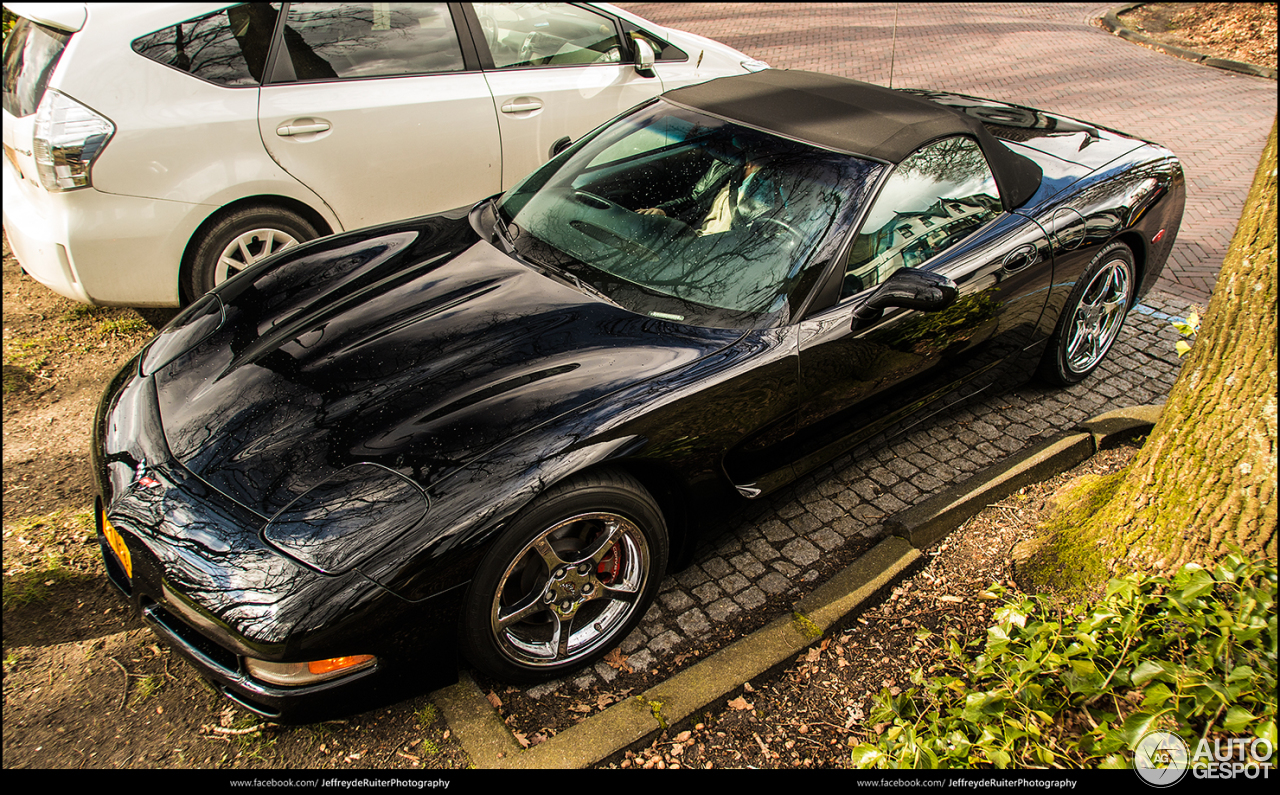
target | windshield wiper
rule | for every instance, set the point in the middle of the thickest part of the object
(586, 287)
(556, 272)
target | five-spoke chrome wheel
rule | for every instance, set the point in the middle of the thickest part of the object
(570, 589)
(1093, 317)
(566, 580)
(1098, 316)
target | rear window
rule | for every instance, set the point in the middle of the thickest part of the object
(30, 53)
(228, 47)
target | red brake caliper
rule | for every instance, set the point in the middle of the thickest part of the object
(609, 567)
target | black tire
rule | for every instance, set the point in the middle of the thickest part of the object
(1093, 317)
(245, 236)
(567, 580)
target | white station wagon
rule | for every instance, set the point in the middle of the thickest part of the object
(153, 150)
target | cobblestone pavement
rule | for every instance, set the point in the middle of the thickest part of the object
(1044, 55)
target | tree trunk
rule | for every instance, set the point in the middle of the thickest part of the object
(1204, 483)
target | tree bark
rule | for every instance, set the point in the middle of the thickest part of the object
(1204, 483)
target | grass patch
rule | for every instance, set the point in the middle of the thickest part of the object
(106, 321)
(147, 686)
(34, 586)
(25, 361)
(126, 326)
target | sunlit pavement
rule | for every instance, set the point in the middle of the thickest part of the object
(1044, 55)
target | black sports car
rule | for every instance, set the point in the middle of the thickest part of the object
(493, 431)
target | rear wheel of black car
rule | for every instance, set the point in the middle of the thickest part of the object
(1093, 317)
(239, 239)
(567, 580)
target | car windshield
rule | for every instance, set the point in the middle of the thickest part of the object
(686, 217)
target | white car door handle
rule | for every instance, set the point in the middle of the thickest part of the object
(518, 107)
(301, 129)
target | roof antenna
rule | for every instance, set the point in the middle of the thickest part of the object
(893, 49)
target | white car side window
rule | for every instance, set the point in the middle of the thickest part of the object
(546, 34)
(328, 41)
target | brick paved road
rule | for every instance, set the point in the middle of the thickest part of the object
(1044, 55)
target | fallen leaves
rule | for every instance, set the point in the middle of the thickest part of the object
(618, 661)
(739, 703)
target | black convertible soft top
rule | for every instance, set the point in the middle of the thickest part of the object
(859, 118)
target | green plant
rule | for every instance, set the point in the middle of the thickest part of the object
(1072, 685)
(148, 686)
(32, 587)
(24, 362)
(427, 715)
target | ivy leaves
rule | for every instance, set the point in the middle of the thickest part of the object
(1066, 685)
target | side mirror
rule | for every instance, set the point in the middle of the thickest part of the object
(559, 146)
(910, 289)
(644, 57)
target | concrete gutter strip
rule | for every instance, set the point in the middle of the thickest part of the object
(1111, 21)
(634, 721)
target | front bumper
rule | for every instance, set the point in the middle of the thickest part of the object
(204, 580)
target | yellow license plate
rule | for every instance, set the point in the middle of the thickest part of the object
(117, 546)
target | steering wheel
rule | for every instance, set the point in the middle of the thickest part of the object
(612, 55)
(594, 201)
(490, 29)
(778, 228)
(526, 49)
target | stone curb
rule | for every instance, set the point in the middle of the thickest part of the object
(709, 683)
(1111, 21)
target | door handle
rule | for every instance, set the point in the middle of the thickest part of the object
(285, 130)
(519, 106)
(1020, 258)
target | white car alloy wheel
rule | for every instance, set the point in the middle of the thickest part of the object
(237, 240)
(250, 248)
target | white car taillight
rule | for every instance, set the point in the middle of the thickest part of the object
(68, 137)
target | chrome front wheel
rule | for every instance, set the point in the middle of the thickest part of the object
(568, 579)
(570, 590)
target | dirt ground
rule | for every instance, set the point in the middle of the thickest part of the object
(86, 686)
(1235, 31)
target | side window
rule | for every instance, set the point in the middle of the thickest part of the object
(326, 41)
(547, 34)
(934, 199)
(228, 47)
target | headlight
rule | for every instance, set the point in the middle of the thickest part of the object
(347, 518)
(68, 138)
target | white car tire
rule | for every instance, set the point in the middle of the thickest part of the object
(238, 240)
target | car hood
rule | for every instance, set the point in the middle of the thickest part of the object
(415, 347)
